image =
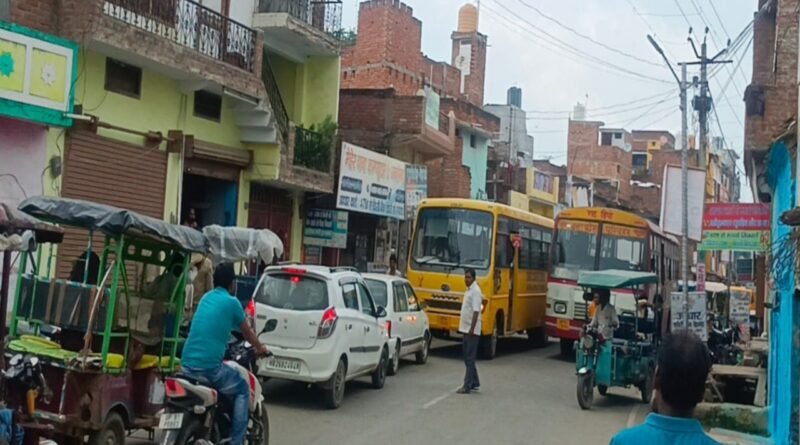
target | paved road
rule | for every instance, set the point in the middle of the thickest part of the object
(527, 397)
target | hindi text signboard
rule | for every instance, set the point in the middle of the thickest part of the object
(326, 228)
(697, 313)
(738, 227)
(370, 182)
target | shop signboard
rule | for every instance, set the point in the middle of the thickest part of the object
(326, 228)
(37, 75)
(697, 313)
(738, 227)
(700, 272)
(740, 307)
(370, 182)
(313, 255)
(416, 187)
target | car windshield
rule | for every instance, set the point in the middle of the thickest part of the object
(378, 290)
(293, 292)
(448, 239)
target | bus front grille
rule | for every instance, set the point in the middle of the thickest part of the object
(580, 311)
(450, 305)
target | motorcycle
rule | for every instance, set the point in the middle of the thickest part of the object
(195, 414)
(722, 344)
(27, 372)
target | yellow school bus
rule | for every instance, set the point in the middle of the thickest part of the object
(509, 250)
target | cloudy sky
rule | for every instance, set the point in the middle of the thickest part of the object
(561, 52)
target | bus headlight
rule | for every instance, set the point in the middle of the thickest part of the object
(560, 307)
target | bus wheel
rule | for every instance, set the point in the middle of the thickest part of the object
(567, 347)
(537, 337)
(488, 346)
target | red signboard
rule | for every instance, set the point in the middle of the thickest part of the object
(736, 217)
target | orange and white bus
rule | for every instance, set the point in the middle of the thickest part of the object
(599, 239)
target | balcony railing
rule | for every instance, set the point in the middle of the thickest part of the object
(192, 25)
(312, 150)
(325, 15)
(275, 99)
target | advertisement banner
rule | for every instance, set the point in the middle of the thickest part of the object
(326, 228)
(697, 313)
(739, 227)
(740, 307)
(372, 183)
(416, 187)
(700, 272)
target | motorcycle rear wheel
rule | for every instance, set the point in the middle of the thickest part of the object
(264, 424)
(191, 433)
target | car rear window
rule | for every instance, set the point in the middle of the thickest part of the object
(378, 290)
(293, 292)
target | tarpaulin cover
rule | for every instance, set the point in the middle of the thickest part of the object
(615, 279)
(233, 244)
(14, 222)
(112, 221)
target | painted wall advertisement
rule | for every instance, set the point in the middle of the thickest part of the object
(326, 228)
(416, 187)
(738, 227)
(697, 313)
(372, 183)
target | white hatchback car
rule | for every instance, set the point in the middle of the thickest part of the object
(406, 323)
(323, 327)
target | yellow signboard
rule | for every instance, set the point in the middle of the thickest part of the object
(578, 226)
(625, 232)
(605, 215)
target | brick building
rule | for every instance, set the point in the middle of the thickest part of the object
(388, 85)
(602, 154)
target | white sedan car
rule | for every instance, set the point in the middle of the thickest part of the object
(406, 323)
(323, 327)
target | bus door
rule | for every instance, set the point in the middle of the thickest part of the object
(516, 282)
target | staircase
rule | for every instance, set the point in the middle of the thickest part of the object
(256, 123)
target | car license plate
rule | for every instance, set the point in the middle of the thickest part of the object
(170, 421)
(282, 364)
(563, 324)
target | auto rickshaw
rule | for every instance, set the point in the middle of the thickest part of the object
(99, 342)
(628, 359)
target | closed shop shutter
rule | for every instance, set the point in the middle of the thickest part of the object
(109, 172)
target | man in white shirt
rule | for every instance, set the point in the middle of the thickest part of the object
(470, 327)
(605, 317)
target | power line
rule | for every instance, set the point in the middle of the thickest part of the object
(610, 112)
(586, 37)
(683, 13)
(655, 96)
(721, 22)
(646, 22)
(714, 37)
(659, 118)
(648, 112)
(555, 41)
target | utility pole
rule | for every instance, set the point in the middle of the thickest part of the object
(702, 103)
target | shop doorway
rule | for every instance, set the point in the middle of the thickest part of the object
(206, 201)
(271, 208)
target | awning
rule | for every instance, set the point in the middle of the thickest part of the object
(220, 153)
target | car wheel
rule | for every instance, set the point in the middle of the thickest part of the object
(394, 363)
(422, 354)
(334, 393)
(379, 375)
(112, 432)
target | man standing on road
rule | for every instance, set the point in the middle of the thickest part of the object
(683, 365)
(470, 327)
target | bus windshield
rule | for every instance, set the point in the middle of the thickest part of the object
(576, 248)
(448, 239)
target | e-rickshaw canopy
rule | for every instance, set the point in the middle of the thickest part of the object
(112, 221)
(14, 222)
(615, 279)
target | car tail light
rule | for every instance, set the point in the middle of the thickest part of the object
(389, 327)
(251, 309)
(294, 271)
(327, 324)
(173, 389)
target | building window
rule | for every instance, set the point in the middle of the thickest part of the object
(640, 160)
(605, 138)
(208, 105)
(754, 101)
(473, 141)
(617, 135)
(123, 78)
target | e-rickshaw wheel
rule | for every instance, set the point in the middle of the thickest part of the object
(585, 390)
(112, 432)
(646, 387)
(602, 389)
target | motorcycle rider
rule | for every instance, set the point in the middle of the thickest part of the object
(219, 313)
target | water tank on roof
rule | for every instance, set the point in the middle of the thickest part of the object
(579, 112)
(468, 19)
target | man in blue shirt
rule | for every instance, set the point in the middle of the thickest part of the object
(683, 365)
(218, 314)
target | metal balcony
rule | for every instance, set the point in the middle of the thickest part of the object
(298, 29)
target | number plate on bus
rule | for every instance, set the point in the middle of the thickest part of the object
(563, 324)
(170, 421)
(281, 364)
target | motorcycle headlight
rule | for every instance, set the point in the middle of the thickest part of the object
(588, 341)
(560, 307)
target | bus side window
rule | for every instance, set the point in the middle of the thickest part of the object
(504, 254)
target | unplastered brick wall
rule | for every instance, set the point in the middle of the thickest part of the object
(775, 52)
(40, 15)
(447, 177)
(588, 159)
(474, 81)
